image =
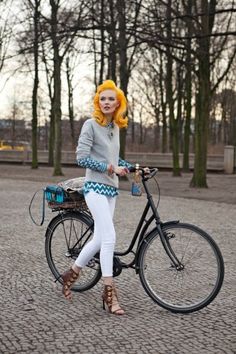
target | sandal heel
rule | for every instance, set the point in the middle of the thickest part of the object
(103, 305)
(109, 298)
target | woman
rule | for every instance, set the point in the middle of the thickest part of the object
(98, 151)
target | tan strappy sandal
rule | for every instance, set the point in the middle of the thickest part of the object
(110, 299)
(69, 278)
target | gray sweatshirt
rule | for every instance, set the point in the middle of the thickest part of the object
(101, 144)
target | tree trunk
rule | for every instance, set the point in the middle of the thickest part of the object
(188, 108)
(131, 119)
(123, 68)
(34, 163)
(56, 109)
(201, 124)
(199, 178)
(70, 103)
(157, 129)
(179, 120)
(102, 44)
(13, 125)
(51, 135)
(233, 132)
(141, 128)
(113, 45)
(163, 108)
(51, 141)
(95, 56)
(174, 131)
(188, 88)
(57, 115)
(201, 132)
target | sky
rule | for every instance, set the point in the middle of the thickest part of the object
(16, 86)
(18, 89)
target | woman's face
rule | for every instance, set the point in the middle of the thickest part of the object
(108, 102)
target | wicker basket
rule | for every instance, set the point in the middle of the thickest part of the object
(78, 204)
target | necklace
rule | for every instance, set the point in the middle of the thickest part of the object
(110, 127)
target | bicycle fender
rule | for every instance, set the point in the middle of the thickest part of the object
(167, 223)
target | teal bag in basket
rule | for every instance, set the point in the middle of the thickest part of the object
(55, 193)
(52, 193)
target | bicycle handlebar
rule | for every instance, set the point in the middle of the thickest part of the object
(153, 172)
(145, 176)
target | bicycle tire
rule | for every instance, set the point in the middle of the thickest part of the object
(65, 237)
(193, 287)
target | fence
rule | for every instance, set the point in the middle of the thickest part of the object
(220, 163)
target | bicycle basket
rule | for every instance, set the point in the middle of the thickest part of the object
(66, 195)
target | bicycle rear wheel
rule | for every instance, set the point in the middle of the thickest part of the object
(65, 237)
(188, 289)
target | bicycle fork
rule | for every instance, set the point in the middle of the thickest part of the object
(169, 251)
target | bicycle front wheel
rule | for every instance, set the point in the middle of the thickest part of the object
(66, 235)
(198, 281)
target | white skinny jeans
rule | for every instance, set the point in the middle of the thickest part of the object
(102, 209)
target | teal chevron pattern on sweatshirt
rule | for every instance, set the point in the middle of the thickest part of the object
(92, 164)
(100, 188)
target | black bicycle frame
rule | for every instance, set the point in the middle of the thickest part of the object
(142, 228)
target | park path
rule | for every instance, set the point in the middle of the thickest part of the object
(35, 318)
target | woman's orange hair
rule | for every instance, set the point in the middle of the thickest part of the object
(120, 113)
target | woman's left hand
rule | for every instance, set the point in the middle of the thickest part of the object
(121, 171)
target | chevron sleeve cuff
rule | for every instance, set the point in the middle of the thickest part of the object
(92, 164)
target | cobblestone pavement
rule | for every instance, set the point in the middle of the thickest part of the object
(35, 318)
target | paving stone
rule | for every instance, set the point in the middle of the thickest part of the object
(35, 318)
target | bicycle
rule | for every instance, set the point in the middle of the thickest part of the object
(180, 266)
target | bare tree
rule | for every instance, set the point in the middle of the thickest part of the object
(205, 27)
(147, 80)
(119, 49)
(170, 95)
(56, 103)
(112, 59)
(49, 79)
(34, 6)
(64, 26)
(188, 86)
(70, 100)
(127, 48)
(202, 43)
